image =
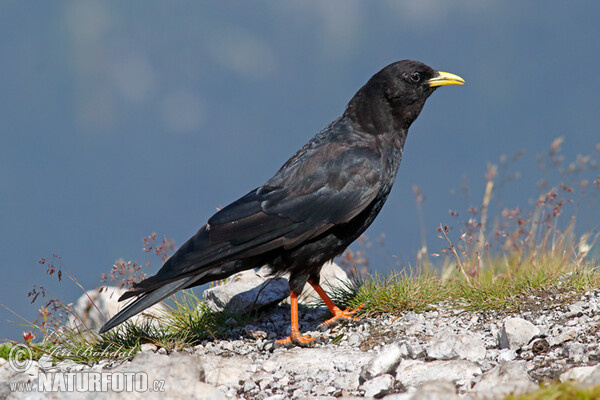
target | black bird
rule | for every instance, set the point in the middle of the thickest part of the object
(319, 202)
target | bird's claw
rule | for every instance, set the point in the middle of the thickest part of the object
(339, 315)
(296, 339)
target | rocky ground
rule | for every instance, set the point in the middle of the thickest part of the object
(441, 354)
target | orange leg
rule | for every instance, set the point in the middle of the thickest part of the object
(335, 310)
(295, 336)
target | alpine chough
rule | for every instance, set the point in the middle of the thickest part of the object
(316, 205)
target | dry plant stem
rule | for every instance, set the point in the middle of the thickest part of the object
(458, 262)
(422, 253)
(487, 196)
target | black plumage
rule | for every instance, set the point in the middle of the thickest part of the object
(316, 205)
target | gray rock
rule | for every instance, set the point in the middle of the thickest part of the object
(413, 373)
(378, 387)
(354, 339)
(224, 370)
(506, 378)
(347, 381)
(506, 355)
(593, 379)
(181, 373)
(302, 360)
(578, 374)
(383, 363)
(448, 345)
(246, 290)
(436, 390)
(148, 347)
(576, 352)
(415, 350)
(516, 333)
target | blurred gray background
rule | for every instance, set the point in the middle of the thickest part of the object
(119, 119)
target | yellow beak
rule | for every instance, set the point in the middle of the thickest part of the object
(445, 78)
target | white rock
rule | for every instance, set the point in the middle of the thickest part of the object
(516, 333)
(577, 373)
(448, 345)
(593, 379)
(182, 374)
(225, 370)
(576, 351)
(436, 390)
(146, 347)
(96, 306)
(415, 373)
(506, 378)
(378, 387)
(506, 355)
(246, 290)
(300, 360)
(415, 350)
(383, 363)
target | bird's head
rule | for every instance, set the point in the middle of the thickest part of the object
(396, 94)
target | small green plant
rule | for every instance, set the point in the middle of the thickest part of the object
(560, 390)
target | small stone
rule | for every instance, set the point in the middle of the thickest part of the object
(146, 347)
(383, 363)
(516, 333)
(379, 386)
(354, 339)
(506, 378)
(593, 379)
(578, 374)
(506, 355)
(436, 390)
(249, 385)
(252, 368)
(414, 373)
(307, 386)
(448, 345)
(415, 351)
(576, 351)
(275, 397)
(540, 346)
(255, 333)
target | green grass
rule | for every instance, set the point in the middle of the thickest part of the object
(493, 289)
(560, 391)
(187, 322)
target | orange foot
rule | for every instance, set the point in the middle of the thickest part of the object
(297, 339)
(341, 315)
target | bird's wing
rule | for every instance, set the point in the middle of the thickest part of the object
(314, 191)
(330, 186)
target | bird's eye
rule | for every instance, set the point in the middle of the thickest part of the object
(415, 77)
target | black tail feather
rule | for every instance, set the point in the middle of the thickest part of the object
(147, 300)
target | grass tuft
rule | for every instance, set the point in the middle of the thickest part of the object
(560, 390)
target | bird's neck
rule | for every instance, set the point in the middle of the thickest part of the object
(378, 116)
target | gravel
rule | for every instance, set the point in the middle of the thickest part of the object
(440, 354)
